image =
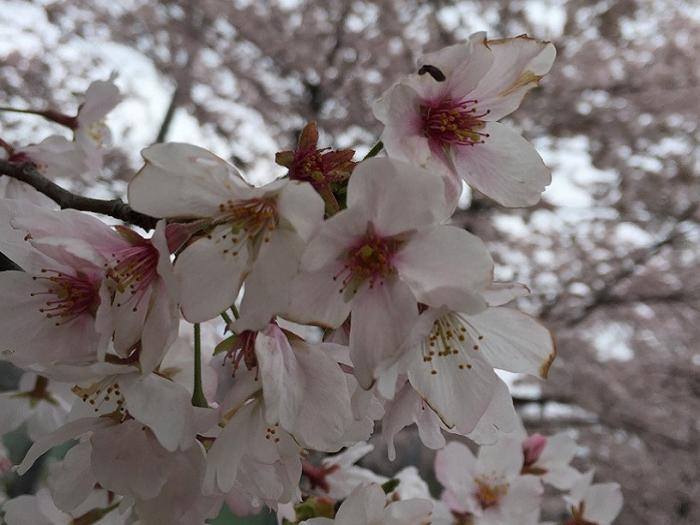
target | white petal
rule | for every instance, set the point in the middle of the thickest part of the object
(301, 208)
(500, 418)
(397, 196)
(210, 278)
(446, 265)
(326, 413)
(519, 63)
(514, 341)
(458, 386)
(454, 467)
(334, 239)
(182, 180)
(499, 294)
(603, 503)
(68, 431)
(524, 496)
(317, 298)
(160, 328)
(128, 460)
(163, 406)
(365, 506)
(268, 287)
(71, 480)
(504, 458)
(505, 167)
(382, 319)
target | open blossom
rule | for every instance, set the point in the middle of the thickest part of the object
(48, 310)
(549, 457)
(131, 298)
(244, 230)
(489, 488)
(41, 404)
(40, 509)
(381, 256)
(91, 134)
(593, 503)
(367, 506)
(446, 116)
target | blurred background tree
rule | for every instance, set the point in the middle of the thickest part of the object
(611, 253)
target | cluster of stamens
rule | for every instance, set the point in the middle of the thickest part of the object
(244, 351)
(490, 491)
(453, 122)
(100, 394)
(450, 336)
(369, 260)
(250, 219)
(577, 516)
(271, 433)
(133, 270)
(70, 296)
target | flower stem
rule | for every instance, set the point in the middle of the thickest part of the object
(198, 398)
(236, 315)
(379, 146)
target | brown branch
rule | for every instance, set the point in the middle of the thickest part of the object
(27, 172)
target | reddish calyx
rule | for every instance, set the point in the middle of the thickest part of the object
(325, 169)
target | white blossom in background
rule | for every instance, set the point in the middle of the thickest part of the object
(489, 488)
(593, 503)
(366, 505)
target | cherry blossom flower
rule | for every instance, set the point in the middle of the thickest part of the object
(258, 461)
(40, 509)
(549, 457)
(91, 133)
(446, 116)
(43, 406)
(134, 305)
(593, 503)
(381, 256)
(48, 310)
(367, 506)
(488, 488)
(245, 230)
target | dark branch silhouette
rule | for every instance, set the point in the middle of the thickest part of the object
(27, 172)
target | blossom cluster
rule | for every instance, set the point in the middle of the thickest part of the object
(323, 302)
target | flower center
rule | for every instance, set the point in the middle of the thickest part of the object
(453, 122)
(489, 493)
(368, 260)
(577, 516)
(451, 337)
(69, 296)
(249, 220)
(133, 270)
(243, 349)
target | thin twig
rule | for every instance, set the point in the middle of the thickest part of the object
(169, 114)
(27, 172)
